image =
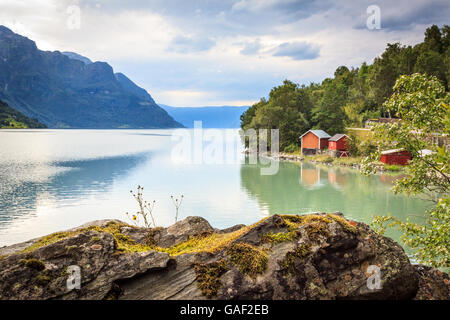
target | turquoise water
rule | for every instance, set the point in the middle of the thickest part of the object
(52, 180)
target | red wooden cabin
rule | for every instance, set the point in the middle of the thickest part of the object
(338, 142)
(396, 156)
(314, 140)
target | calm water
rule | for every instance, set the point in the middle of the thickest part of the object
(52, 180)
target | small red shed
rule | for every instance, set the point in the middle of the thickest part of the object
(338, 142)
(314, 140)
(396, 156)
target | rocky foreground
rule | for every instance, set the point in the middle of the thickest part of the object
(319, 256)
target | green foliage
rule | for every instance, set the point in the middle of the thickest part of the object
(288, 109)
(13, 119)
(430, 240)
(352, 96)
(431, 63)
(422, 103)
(329, 115)
(393, 167)
(292, 148)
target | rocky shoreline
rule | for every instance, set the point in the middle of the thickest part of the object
(289, 157)
(316, 256)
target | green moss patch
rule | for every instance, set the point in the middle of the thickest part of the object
(280, 237)
(50, 239)
(344, 223)
(96, 239)
(208, 277)
(210, 243)
(249, 259)
(123, 243)
(316, 229)
(33, 263)
(288, 263)
(43, 279)
(293, 222)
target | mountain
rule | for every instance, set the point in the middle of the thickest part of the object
(212, 117)
(66, 91)
(10, 119)
(76, 56)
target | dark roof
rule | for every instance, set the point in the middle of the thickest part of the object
(318, 133)
(337, 137)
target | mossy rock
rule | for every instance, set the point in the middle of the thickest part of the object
(288, 265)
(280, 237)
(249, 259)
(208, 277)
(151, 237)
(43, 280)
(33, 263)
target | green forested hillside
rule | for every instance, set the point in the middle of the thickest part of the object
(12, 119)
(352, 95)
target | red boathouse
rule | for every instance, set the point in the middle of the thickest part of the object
(338, 142)
(396, 156)
(313, 141)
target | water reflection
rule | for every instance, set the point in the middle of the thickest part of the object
(64, 180)
(311, 188)
(57, 179)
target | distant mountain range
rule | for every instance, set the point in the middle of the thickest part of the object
(67, 90)
(211, 117)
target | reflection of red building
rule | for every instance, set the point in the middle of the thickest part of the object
(331, 177)
(337, 178)
(309, 176)
(388, 179)
(397, 156)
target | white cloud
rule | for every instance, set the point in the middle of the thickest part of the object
(201, 53)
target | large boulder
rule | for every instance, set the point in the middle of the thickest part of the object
(319, 256)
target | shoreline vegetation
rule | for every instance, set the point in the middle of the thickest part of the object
(352, 162)
(13, 119)
(351, 97)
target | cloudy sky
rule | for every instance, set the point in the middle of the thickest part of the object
(221, 52)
